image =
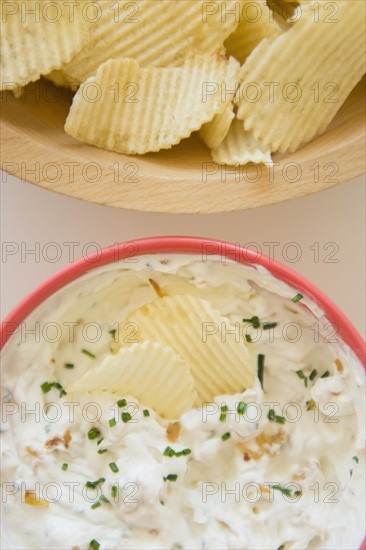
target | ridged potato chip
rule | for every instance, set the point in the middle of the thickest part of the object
(154, 108)
(38, 36)
(155, 375)
(214, 132)
(298, 96)
(256, 22)
(60, 78)
(157, 33)
(219, 361)
(240, 147)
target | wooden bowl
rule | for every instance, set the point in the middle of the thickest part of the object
(184, 179)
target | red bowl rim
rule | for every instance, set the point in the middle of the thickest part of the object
(182, 245)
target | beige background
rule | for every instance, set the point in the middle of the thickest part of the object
(328, 229)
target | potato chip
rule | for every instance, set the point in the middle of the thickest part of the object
(292, 99)
(219, 360)
(240, 147)
(37, 37)
(157, 33)
(153, 374)
(129, 109)
(256, 22)
(214, 132)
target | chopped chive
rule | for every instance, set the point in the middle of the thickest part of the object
(171, 477)
(114, 491)
(146, 412)
(95, 505)
(222, 417)
(248, 338)
(104, 499)
(313, 374)
(268, 326)
(94, 544)
(300, 374)
(351, 472)
(69, 365)
(273, 417)
(64, 466)
(224, 408)
(254, 321)
(112, 422)
(112, 332)
(260, 368)
(94, 484)
(286, 492)
(88, 353)
(325, 374)
(226, 436)
(171, 452)
(122, 403)
(356, 459)
(241, 408)
(45, 387)
(113, 466)
(102, 451)
(297, 298)
(93, 433)
(99, 441)
(126, 417)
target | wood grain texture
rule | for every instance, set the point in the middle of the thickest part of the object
(184, 179)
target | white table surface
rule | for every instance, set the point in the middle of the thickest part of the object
(32, 218)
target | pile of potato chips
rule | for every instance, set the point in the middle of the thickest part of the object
(252, 76)
(185, 354)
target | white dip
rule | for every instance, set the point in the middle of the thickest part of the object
(294, 480)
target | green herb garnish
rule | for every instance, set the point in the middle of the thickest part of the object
(69, 365)
(93, 433)
(268, 326)
(325, 374)
(95, 505)
(47, 386)
(94, 484)
(104, 499)
(313, 374)
(102, 451)
(273, 417)
(146, 412)
(260, 368)
(112, 332)
(254, 321)
(226, 436)
(241, 408)
(171, 477)
(297, 298)
(64, 466)
(113, 466)
(122, 403)
(302, 376)
(356, 459)
(94, 544)
(126, 417)
(112, 422)
(88, 353)
(171, 452)
(286, 492)
(248, 338)
(114, 491)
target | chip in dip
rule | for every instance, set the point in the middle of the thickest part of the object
(128, 424)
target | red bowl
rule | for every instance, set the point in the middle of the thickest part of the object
(184, 245)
